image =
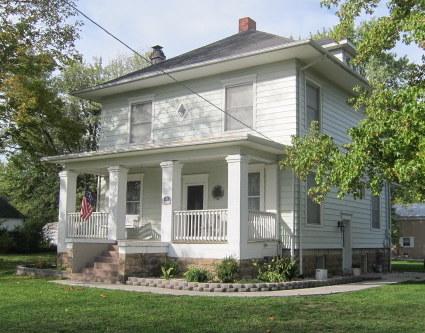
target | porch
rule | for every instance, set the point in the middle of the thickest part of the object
(207, 201)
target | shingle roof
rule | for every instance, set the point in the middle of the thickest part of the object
(412, 210)
(8, 211)
(234, 45)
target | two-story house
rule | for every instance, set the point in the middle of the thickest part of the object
(189, 162)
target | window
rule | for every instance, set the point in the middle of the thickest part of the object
(375, 212)
(254, 195)
(133, 197)
(313, 104)
(407, 241)
(239, 103)
(140, 122)
(313, 208)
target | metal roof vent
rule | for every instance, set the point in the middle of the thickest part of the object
(157, 55)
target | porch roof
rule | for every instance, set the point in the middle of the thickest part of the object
(242, 140)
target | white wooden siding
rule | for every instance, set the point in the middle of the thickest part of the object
(336, 118)
(275, 106)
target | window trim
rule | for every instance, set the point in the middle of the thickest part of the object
(193, 180)
(259, 168)
(371, 213)
(234, 82)
(140, 100)
(312, 225)
(308, 80)
(130, 178)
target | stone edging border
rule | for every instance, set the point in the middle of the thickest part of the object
(41, 272)
(180, 284)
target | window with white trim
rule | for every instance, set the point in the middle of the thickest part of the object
(376, 223)
(140, 122)
(240, 105)
(313, 208)
(133, 197)
(407, 241)
(254, 193)
(312, 103)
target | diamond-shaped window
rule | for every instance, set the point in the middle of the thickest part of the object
(181, 111)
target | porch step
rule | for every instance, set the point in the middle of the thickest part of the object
(104, 268)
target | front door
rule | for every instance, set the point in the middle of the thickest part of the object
(347, 259)
(195, 197)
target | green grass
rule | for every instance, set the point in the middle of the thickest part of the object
(36, 305)
(407, 266)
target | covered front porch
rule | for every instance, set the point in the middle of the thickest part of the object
(206, 200)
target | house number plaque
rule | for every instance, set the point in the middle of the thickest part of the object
(166, 200)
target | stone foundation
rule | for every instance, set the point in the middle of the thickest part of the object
(64, 260)
(372, 260)
(142, 265)
(368, 260)
(331, 259)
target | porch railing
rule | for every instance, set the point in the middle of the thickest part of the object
(200, 226)
(262, 226)
(95, 227)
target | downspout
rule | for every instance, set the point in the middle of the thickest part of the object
(297, 206)
(389, 225)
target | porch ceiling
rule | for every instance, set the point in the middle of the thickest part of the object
(258, 149)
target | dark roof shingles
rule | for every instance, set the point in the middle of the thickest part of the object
(234, 45)
(8, 211)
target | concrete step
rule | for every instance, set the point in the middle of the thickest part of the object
(107, 259)
(107, 266)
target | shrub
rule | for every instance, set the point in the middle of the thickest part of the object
(276, 270)
(227, 270)
(196, 274)
(169, 270)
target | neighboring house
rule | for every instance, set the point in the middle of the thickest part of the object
(10, 217)
(179, 178)
(411, 223)
(50, 233)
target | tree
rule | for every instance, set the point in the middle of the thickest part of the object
(389, 144)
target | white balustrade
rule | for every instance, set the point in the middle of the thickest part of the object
(262, 226)
(95, 227)
(200, 226)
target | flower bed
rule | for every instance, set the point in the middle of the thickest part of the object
(181, 284)
(41, 272)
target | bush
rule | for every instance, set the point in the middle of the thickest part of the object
(7, 243)
(169, 270)
(227, 270)
(277, 270)
(196, 274)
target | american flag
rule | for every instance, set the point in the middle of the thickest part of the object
(88, 201)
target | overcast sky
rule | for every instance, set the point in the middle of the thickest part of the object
(182, 25)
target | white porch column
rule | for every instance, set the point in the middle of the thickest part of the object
(67, 197)
(117, 202)
(171, 196)
(237, 194)
(272, 187)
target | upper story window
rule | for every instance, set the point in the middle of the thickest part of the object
(376, 224)
(140, 122)
(239, 104)
(254, 193)
(312, 103)
(313, 208)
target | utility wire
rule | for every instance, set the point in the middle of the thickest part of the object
(164, 72)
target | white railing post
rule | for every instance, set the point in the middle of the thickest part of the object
(200, 226)
(262, 226)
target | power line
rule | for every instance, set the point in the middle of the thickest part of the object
(164, 72)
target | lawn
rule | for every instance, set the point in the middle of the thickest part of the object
(407, 266)
(36, 305)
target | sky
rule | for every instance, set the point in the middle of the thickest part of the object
(182, 25)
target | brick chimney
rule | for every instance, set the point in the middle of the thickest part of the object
(247, 23)
(157, 55)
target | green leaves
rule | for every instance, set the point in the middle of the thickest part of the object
(388, 145)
